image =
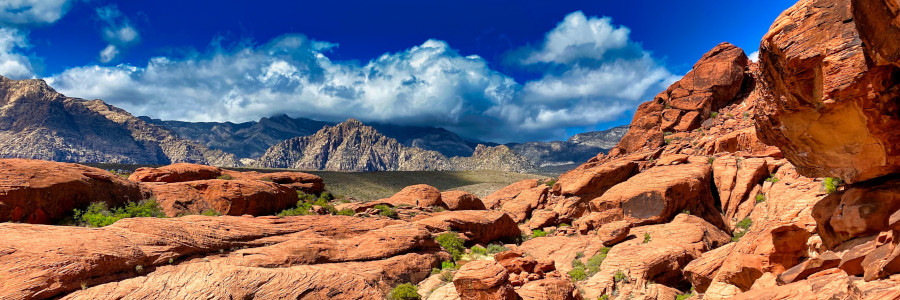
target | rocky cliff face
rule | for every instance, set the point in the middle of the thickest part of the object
(604, 139)
(353, 146)
(37, 122)
(244, 140)
(565, 155)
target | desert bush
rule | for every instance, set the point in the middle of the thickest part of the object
(831, 184)
(479, 250)
(386, 211)
(405, 291)
(452, 243)
(495, 248)
(647, 237)
(760, 198)
(211, 212)
(772, 179)
(98, 214)
(538, 233)
(346, 212)
(225, 177)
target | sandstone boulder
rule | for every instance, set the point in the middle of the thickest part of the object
(482, 226)
(549, 289)
(178, 172)
(460, 200)
(860, 210)
(496, 199)
(831, 111)
(483, 280)
(420, 195)
(36, 191)
(520, 207)
(658, 194)
(228, 197)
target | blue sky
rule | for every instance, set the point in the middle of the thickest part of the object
(500, 71)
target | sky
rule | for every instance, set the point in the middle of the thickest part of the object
(499, 71)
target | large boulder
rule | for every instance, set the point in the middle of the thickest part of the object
(860, 210)
(482, 226)
(496, 199)
(658, 194)
(735, 178)
(36, 191)
(461, 200)
(178, 172)
(420, 195)
(228, 197)
(520, 207)
(483, 280)
(878, 22)
(832, 111)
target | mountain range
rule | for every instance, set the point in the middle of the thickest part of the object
(38, 122)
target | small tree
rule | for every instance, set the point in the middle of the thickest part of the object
(405, 291)
(452, 243)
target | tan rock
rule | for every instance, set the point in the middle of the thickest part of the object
(549, 289)
(614, 232)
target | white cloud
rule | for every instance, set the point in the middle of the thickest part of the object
(578, 37)
(754, 57)
(32, 12)
(13, 64)
(430, 84)
(117, 31)
(108, 53)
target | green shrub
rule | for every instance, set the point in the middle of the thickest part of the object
(437, 209)
(668, 133)
(452, 243)
(435, 271)
(745, 223)
(746, 115)
(603, 297)
(266, 179)
(579, 254)
(831, 184)
(646, 237)
(211, 212)
(479, 250)
(713, 114)
(301, 209)
(225, 177)
(593, 264)
(538, 233)
(772, 179)
(760, 198)
(686, 211)
(495, 248)
(346, 212)
(712, 159)
(564, 225)
(684, 296)
(550, 181)
(448, 265)
(619, 276)
(447, 276)
(668, 141)
(576, 263)
(98, 214)
(406, 291)
(578, 274)
(386, 211)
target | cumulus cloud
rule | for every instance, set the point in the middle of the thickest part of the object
(32, 12)
(430, 84)
(754, 57)
(117, 30)
(593, 73)
(12, 63)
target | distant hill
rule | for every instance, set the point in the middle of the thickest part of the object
(38, 122)
(561, 156)
(354, 146)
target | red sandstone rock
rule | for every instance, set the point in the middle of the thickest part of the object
(482, 226)
(831, 111)
(420, 195)
(228, 197)
(496, 199)
(460, 200)
(36, 191)
(483, 280)
(178, 172)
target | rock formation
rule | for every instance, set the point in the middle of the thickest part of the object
(39, 123)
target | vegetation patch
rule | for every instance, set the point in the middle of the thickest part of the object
(386, 211)
(225, 177)
(306, 202)
(538, 233)
(98, 214)
(581, 271)
(760, 198)
(405, 291)
(496, 248)
(452, 243)
(742, 227)
(831, 184)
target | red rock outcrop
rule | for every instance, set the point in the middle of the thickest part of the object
(878, 23)
(460, 200)
(658, 194)
(861, 210)
(520, 207)
(37, 191)
(713, 83)
(496, 199)
(482, 226)
(293, 250)
(831, 110)
(483, 280)
(228, 197)
(179, 172)
(420, 195)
